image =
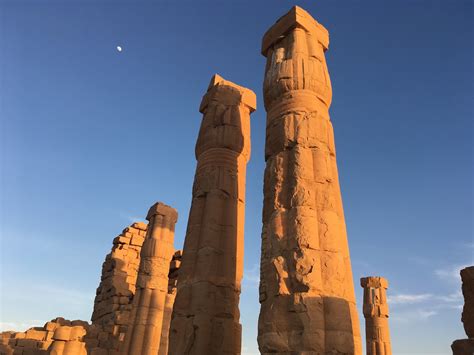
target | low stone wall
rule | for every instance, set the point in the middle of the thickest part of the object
(52, 338)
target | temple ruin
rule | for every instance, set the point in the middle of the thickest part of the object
(306, 287)
(375, 311)
(112, 308)
(156, 300)
(206, 314)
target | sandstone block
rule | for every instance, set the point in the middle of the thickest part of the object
(62, 333)
(27, 343)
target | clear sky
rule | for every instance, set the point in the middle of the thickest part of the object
(91, 137)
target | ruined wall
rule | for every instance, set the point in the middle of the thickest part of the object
(40, 340)
(113, 302)
(111, 309)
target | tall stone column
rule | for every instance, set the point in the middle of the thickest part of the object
(306, 287)
(375, 309)
(206, 315)
(144, 330)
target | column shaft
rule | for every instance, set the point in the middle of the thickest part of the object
(205, 317)
(144, 331)
(377, 332)
(306, 286)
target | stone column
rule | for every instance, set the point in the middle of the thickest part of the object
(466, 346)
(169, 302)
(206, 315)
(306, 287)
(375, 309)
(144, 330)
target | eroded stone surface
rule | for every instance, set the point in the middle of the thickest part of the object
(375, 310)
(113, 302)
(206, 316)
(57, 337)
(144, 328)
(169, 302)
(306, 286)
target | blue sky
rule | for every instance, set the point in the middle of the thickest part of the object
(91, 137)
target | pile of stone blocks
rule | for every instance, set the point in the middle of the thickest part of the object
(42, 340)
(114, 298)
(69, 340)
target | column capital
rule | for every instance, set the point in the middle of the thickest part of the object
(374, 281)
(162, 209)
(227, 93)
(296, 17)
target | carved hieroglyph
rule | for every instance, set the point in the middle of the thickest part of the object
(375, 310)
(144, 329)
(206, 316)
(466, 346)
(306, 286)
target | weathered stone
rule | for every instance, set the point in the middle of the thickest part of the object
(467, 277)
(466, 346)
(206, 316)
(118, 283)
(463, 347)
(169, 302)
(306, 288)
(144, 329)
(375, 309)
